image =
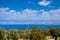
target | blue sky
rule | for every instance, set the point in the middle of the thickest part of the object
(31, 4)
(29, 11)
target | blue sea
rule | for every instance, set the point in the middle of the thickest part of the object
(23, 26)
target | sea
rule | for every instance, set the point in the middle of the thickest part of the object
(24, 26)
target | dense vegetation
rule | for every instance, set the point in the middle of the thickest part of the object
(29, 34)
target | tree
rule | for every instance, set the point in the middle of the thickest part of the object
(13, 34)
(3, 35)
(55, 32)
(36, 34)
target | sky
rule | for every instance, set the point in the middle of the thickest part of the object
(29, 11)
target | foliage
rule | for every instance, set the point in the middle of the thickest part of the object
(33, 33)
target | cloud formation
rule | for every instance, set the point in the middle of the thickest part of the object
(44, 3)
(29, 16)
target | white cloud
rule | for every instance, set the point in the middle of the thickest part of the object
(12, 11)
(7, 8)
(29, 16)
(44, 3)
(3, 10)
(55, 12)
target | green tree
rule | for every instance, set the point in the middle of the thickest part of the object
(13, 34)
(55, 32)
(36, 34)
(3, 35)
